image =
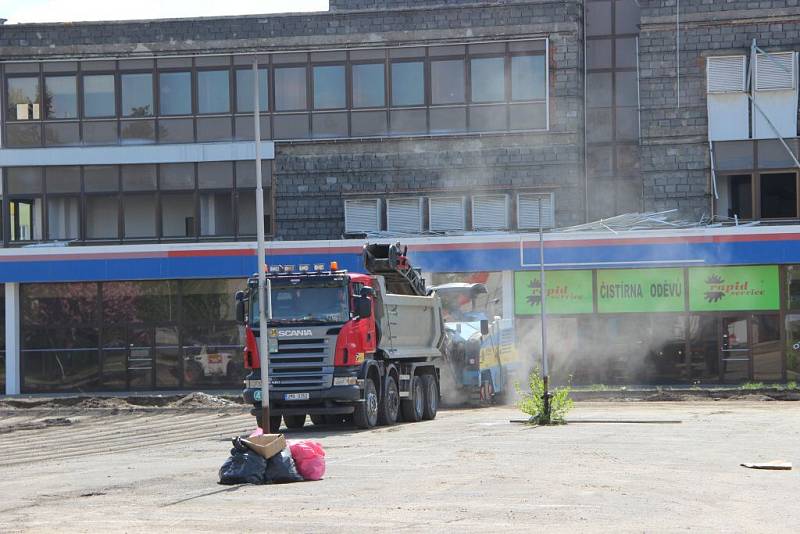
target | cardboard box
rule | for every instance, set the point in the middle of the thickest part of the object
(267, 445)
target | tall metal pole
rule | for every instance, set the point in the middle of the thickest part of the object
(263, 311)
(545, 370)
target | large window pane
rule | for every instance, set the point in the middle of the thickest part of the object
(167, 357)
(207, 301)
(216, 214)
(215, 175)
(779, 195)
(290, 88)
(138, 132)
(528, 76)
(214, 128)
(61, 97)
(213, 91)
(54, 305)
(329, 87)
(177, 215)
(98, 96)
(177, 175)
(140, 215)
(61, 134)
(368, 86)
(73, 369)
(63, 217)
(175, 93)
(488, 79)
(24, 180)
(102, 217)
(26, 219)
(140, 302)
(138, 177)
(137, 95)
(447, 81)
(212, 356)
(23, 99)
(23, 135)
(244, 90)
(408, 83)
(63, 180)
(175, 130)
(100, 133)
(98, 178)
(247, 212)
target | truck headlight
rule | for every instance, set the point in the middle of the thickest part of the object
(345, 381)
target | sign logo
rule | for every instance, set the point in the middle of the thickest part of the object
(295, 333)
(717, 289)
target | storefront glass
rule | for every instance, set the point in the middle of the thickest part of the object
(2, 339)
(166, 334)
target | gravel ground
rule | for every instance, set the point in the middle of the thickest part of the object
(155, 469)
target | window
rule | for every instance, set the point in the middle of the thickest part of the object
(247, 212)
(137, 95)
(404, 215)
(100, 178)
(290, 88)
(740, 189)
(447, 214)
(176, 176)
(362, 215)
(139, 177)
(139, 215)
(26, 219)
(102, 217)
(177, 215)
(23, 99)
(779, 195)
(216, 214)
(528, 205)
(329, 87)
(447, 81)
(408, 83)
(61, 97)
(63, 216)
(98, 96)
(368, 85)
(490, 212)
(175, 93)
(528, 78)
(213, 91)
(244, 90)
(488, 79)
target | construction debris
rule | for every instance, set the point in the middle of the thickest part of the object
(628, 222)
(776, 465)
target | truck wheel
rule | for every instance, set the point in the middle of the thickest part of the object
(294, 421)
(366, 414)
(414, 408)
(274, 422)
(319, 420)
(431, 396)
(390, 407)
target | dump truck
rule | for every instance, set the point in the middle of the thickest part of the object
(480, 351)
(345, 346)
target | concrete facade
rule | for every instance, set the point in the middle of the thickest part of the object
(676, 167)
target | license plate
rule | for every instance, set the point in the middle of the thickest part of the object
(295, 396)
(257, 395)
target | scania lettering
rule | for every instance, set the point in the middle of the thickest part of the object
(345, 346)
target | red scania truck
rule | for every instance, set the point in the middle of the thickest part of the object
(346, 346)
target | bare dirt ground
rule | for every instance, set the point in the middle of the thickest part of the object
(137, 469)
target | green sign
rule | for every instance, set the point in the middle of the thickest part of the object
(568, 292)
(640, 290)
(734, 288)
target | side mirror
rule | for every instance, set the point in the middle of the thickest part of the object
(484, 327)
(367, 291)
(363, 307)
(240, 300)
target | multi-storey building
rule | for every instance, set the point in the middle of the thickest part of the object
(447, 122)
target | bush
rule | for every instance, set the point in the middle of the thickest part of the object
(532, 402)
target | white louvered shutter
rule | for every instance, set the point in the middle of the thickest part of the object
(775, 72)
(528, 211)
(490, 212)
(447, 213)
(726, 74)
(362, 215)
(404, 215)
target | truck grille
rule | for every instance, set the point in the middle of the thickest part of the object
(301, 364)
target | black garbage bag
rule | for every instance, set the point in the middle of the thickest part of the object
(281, 468)
(243, 466)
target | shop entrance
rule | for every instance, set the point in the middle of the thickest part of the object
(141, 357)
(749, 348)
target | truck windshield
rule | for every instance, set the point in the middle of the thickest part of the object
(323, 304)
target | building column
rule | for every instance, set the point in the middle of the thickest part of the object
(13, 376)
(508, 295)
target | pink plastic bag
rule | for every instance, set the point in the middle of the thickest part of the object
(309, 456)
